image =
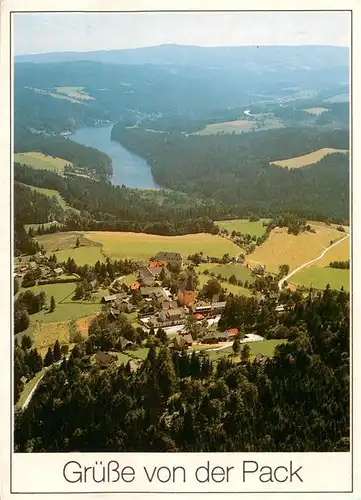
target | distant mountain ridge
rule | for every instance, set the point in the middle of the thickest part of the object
(250, 57)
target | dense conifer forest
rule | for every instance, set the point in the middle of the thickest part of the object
(177, 401)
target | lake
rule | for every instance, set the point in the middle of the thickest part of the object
(129, 168)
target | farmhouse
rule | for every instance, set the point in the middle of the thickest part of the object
(109, 298)
(172, 316)
(182, 341)
(58, 271)
(215, 337)
(169, 257)
(124, 343)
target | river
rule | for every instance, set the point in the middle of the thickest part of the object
(129, 168)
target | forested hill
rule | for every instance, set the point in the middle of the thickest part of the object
(265, 57)
(236, 169)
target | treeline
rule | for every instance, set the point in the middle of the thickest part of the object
(177, 402)
(340, 264)
(115, 208)
(27, 363)
(236, 169)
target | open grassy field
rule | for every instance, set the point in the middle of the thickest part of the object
(265, 347)
(236, 126)
(284, 248)
(139, 246)
(319, 277)
(339, 252)
(244, 226)
(307, 159)
(74, 92)
(240, 126)
(41, 161)
(236, 290)
(140, 353)
(81, 255)
(316, 111)
(47, 327)
(226, 270)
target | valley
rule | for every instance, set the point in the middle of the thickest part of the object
(181, 250)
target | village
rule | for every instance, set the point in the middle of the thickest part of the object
(188, 317)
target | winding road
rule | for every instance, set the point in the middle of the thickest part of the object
(306, 264)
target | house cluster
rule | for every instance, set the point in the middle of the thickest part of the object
(185, 340)
(39, 265)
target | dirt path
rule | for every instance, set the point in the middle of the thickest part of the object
(306, 264)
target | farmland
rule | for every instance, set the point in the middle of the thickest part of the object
(316, 111)
(244, 226)
(82, 255)
(339, 252)
(241, 126)
(41, 161)
(136, 246)
(46, 327)
(284, 248)
(140, 246)
(74, 92)
(226, 270)
(320, 277)
(307, 159)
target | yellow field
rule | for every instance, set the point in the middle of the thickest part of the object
(284, 248)
(316, 111)
(46, 334)
(140, 246)
(339, 252)
(41, 161)
(307, 159)
(74, 92)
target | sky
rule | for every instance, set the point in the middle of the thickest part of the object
(83, 32)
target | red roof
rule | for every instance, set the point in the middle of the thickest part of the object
(199, 316)
(135, 286)
(233, 330)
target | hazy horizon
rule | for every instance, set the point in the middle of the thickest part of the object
(90, 32)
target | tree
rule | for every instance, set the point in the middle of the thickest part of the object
(233, 279)
(245, 353)
(52, 304)
(212, 287)
(26, 342)
(16, 286)
(236, 346)
(57, 351)
(77, 244)
(49, 358)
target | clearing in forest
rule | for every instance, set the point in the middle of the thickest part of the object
(283, 248)
(244, 226)
(41, 161)
(316, 111)
(141, 246)
(74, 92)
(307, 159)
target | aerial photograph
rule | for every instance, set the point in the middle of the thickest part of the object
(181, 232)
